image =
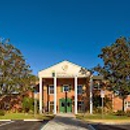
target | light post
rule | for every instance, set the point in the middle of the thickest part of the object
(84, 88)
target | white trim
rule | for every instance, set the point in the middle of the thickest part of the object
(64, 86)
(49, 89)
(55, 95)
(70, 72)
(49, 105)
(91, 96)
(76, 97)
(40, 95)
(128, 104)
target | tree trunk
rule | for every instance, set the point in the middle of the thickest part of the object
(123, 102)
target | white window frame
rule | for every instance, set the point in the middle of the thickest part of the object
(49, 89)
(81, 90)
(97, 87)
(49, 105)
(65, 85)
(128, 104)
(81, 104)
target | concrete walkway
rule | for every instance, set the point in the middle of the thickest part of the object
(65, 122)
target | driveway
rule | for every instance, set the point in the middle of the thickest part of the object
(65, 122)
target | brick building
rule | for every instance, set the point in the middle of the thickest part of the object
(63, 88)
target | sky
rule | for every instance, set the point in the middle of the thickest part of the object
(50, 31)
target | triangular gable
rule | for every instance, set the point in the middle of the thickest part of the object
(63, 69)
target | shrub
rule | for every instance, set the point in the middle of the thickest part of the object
(97, 110)
(120, 113)
(128, 113)
(28, 104)
(2, 113)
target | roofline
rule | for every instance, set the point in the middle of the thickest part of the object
(60, 62)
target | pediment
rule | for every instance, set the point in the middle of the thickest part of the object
(63, 69)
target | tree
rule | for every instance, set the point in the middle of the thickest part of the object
(116, 67)
(15, 73)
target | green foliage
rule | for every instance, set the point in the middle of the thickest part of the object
(97, 102)
(128, 113)
(116, 68)
(15, 73)
(2, 113)
(28, 104)
(97, 110)
(120, 113)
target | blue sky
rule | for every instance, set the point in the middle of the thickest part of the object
(49, 31)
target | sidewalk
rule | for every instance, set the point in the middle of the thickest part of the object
(111, 122)
(65, 122)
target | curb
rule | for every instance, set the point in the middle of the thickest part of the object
(33, 119)
(45, 126)
(5, 119)
(108, 123)
(8, 120)
(114, 123)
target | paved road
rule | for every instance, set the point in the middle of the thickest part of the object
(65, 122)
(112, 127)
(22, 125)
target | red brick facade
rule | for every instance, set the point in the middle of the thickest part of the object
(60, 94)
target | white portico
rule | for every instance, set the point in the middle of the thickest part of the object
(61, 75)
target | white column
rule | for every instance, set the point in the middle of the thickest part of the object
(91, 96)
(40, 95)
(75, 83)
(55, 94)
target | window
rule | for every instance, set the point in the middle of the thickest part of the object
(79, 89)
(62, 104)
(80, 106)
(97, 85)
(51, 89)
(51, 106)
(65, 88)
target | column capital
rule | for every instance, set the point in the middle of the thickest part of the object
(54, 74)
(76, 76)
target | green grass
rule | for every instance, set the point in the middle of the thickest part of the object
(99, 117)
(20, 116)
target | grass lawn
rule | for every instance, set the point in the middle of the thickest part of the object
(20, 116)
(107, 117)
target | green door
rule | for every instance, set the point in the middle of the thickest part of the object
(65, 105)
(62, 105)
(69, 105)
